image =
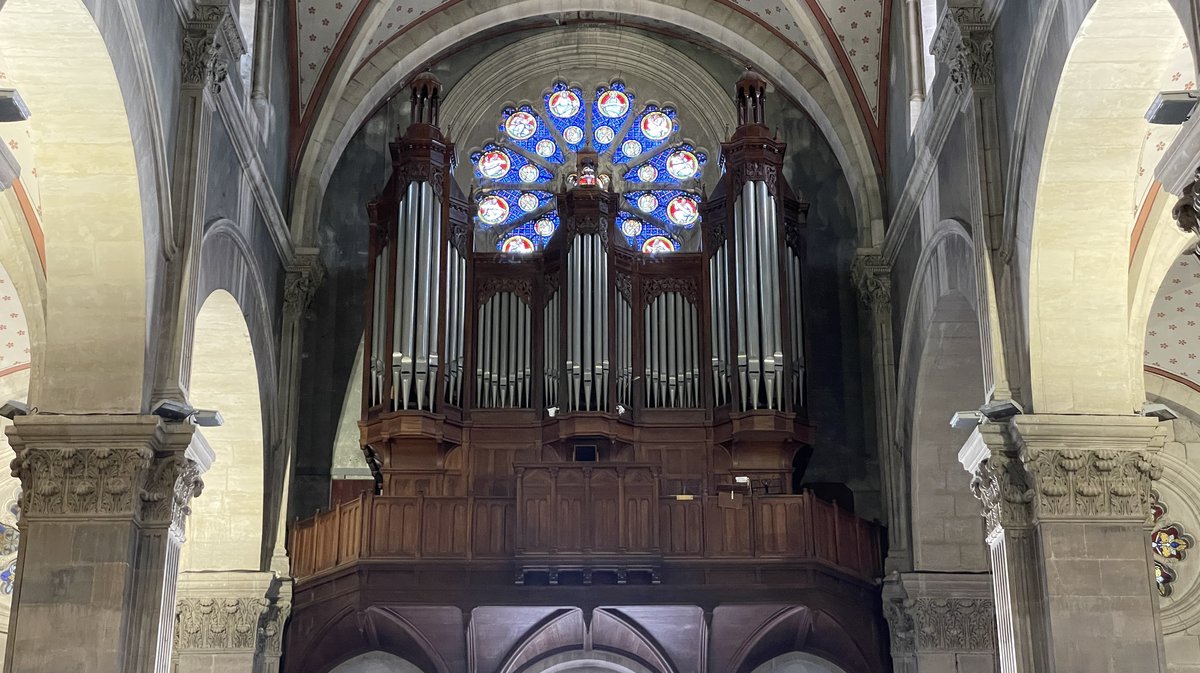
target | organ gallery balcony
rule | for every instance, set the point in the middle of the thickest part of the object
(585, 524)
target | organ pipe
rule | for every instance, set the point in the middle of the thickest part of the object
(504, 349)
(587, 323)
(417, 282)
(672, 352)
(456, 272)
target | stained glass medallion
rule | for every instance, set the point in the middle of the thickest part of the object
(1169, 542)
(1170, 545)
(533, 156)
(1164, 577)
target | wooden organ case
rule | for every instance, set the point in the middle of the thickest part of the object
(588, 419)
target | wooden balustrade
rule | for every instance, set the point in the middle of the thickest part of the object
(612, 524)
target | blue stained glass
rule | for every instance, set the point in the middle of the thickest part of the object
(541, 133)
(517, 162)
(643, 143)
(578, 120)
(628, 223)
(535, 230)
(615, 123)
(8, 577)
(513, 198)
(659, 162)
(659, 212)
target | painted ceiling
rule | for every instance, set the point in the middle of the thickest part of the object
(14, 331)
(856, 31)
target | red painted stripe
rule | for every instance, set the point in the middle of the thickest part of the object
(1174, 377)
(1142, 218)
(31, 220)
(14, 369)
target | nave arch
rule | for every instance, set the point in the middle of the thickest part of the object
(356, 93)
(1072, 242)
(99, 179)
(225, 530)
(942, 369)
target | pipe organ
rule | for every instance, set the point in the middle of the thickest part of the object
(588, 279)
(584, 395)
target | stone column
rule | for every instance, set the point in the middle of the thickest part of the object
(211, 41)
(304, 276)
(871, 275)
(1066, 501)
(227, 622)
(941, 622)
(103, 505)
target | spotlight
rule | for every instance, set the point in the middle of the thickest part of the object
(172, 410)
(208, 418)
(551, 411)
(1160, 411)
(12, 108)
(999, 410)
(177, 412)
(965, 420)
(14, 408)
(1171, 107)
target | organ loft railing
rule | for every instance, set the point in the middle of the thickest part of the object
(581, 364)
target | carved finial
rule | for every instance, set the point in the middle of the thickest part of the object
(751, 98)
(426, 98)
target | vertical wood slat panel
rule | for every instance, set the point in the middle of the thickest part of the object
(408, 527)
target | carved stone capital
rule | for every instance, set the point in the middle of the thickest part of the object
(1083, 467)
(230, 612)
(998, 478)
(270, 635)
(872, 277)
(963, 41)
(304, 277)
(955, 624)
(1046, 468)
(897, 611)
(105, 467)
(226, 624)
(211, 41)
(1187, 210)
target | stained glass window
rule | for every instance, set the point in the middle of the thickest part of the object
(641, 155)
(1169, 544)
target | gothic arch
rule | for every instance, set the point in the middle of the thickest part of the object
(354, 96)
(227, 263)
(1069, 246)
(942, 369)
(103, 194)
(225, 530)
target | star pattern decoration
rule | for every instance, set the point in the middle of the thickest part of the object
(857, 28)
(319, 24)
(1173, 330)
(400, 16)
(14, 330)
(775, 15)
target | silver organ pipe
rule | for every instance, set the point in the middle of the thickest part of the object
(456, 273)
(719, 300)
(623, 354)
(551, 351)
(574, 337)
(760, 356)
(417, 282)
(672, 352)
(797, 327)
(587, 323)
(503, 352)
(379, 351)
